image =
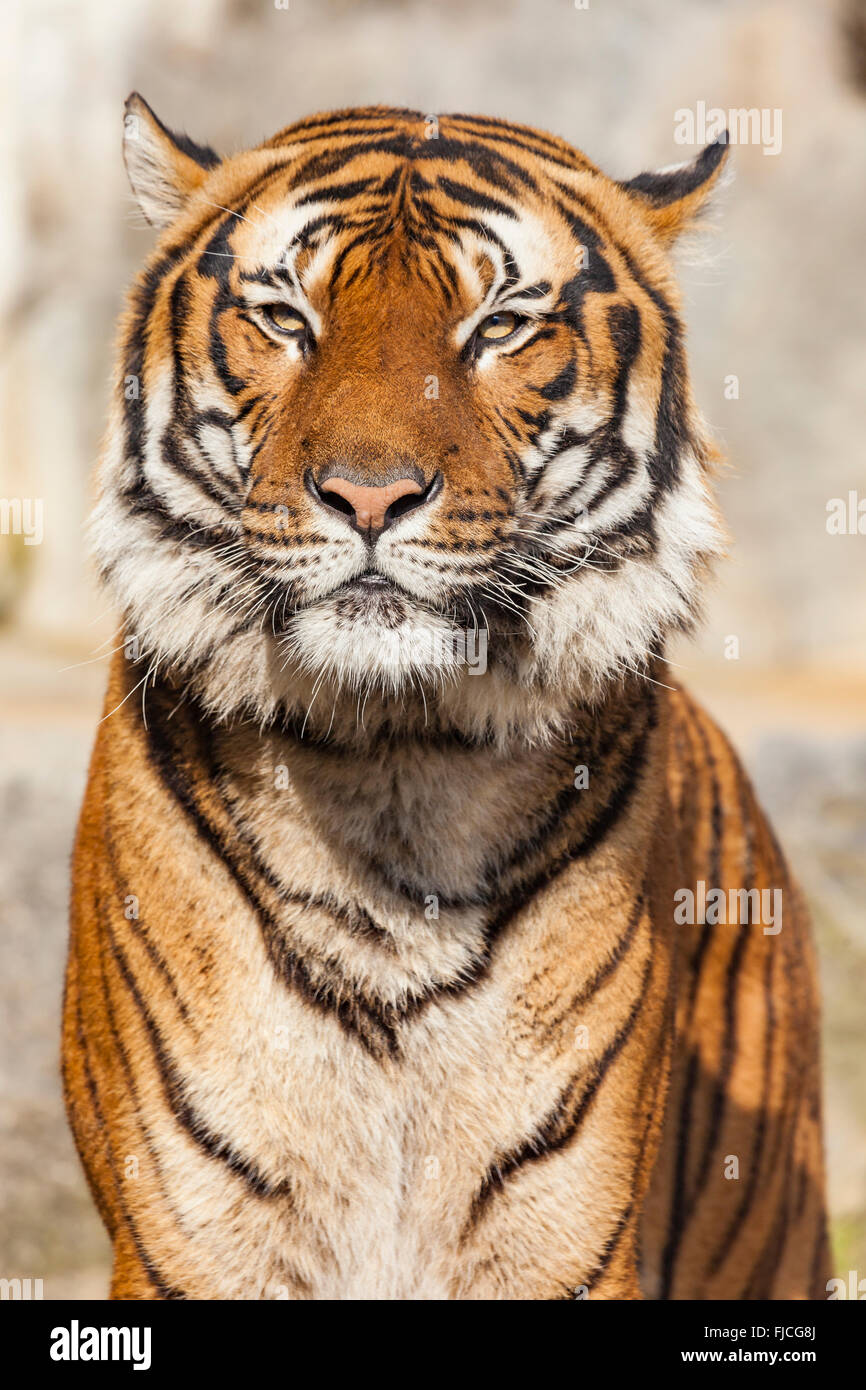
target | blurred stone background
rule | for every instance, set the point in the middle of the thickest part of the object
(778, 303)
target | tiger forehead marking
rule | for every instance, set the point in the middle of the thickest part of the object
(483, 323)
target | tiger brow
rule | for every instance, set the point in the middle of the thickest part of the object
(263, 275)
(536, 291)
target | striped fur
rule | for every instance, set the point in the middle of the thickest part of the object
(375, 987)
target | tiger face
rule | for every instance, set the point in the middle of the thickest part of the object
(403, 415)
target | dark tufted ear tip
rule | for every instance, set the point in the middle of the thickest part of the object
(674, 197)
(715, 150)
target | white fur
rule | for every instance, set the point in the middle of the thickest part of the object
(324, 659)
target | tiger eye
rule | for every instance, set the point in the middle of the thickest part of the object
(499, 325)
(285, 319)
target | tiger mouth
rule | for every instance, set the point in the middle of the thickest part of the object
(372, 587)
(367, 595)
(371, 579)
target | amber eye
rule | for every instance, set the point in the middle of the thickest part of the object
(498, 326)
(286, 320)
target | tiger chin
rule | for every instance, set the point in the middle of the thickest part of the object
(376, 986)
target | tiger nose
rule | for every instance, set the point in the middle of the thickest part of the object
(371, 509)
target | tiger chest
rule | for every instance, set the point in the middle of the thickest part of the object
(342, 1168)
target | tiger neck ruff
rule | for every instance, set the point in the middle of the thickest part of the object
(375, 987)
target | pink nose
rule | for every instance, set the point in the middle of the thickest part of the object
(369, 505)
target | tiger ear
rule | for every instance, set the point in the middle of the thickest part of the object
(673, 198)
(163, 168)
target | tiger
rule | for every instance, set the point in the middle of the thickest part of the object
(382, 980)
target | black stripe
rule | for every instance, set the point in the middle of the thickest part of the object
(684, 1202)
(157, 1279)
(338, 192)
(132, 1088)
(672, 430)
(565, 1120)
(725, 1245)
(561, 385)
(526, 138)
(760, 1279)
(74, 1107)
(735, 1226)
(470, 197)
(212, 1144)
(143, 299)
(370, 1024)
(138, 929)
(611, 1245)
(602, 973)
(377, 117)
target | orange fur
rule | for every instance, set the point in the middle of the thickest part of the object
(376, 986)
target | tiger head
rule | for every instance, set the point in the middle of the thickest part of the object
(403, 416)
